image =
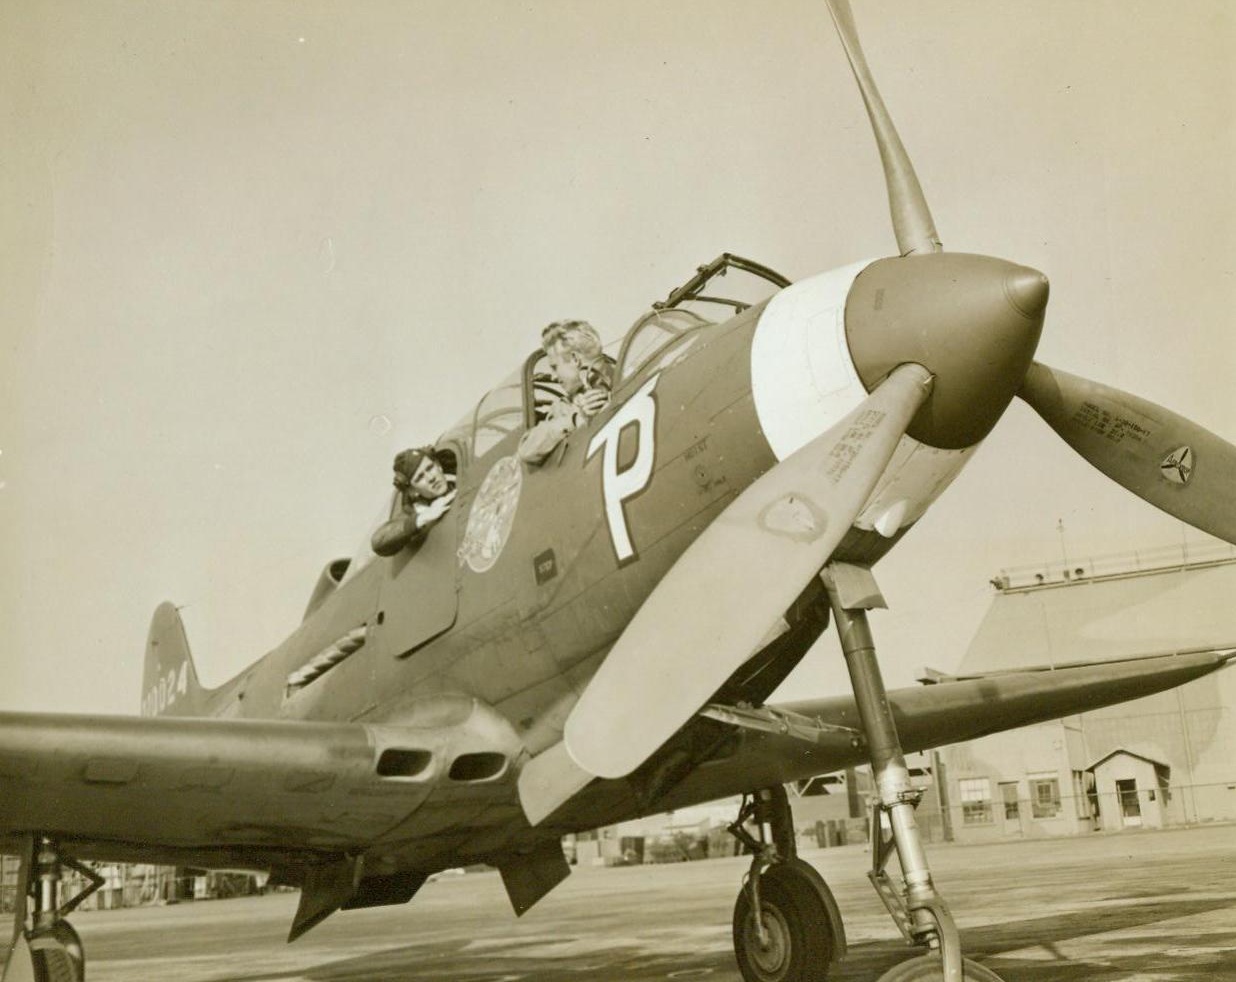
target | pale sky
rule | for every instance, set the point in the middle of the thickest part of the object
(237, 236)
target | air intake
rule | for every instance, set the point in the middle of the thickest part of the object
(400, 762)
(469, 768)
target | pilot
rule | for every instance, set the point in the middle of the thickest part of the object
(426, 492)
(583, 376)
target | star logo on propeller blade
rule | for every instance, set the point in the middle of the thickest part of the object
(1177, 466)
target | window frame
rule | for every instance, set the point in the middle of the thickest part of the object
(1042, 807)
(516, 409)
(624, 373)
(983, 815)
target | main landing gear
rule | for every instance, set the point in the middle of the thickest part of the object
(798, 933)
(44, 946)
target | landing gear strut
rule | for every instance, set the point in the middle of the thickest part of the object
(49, 949)
(798, 933)
(915, 905)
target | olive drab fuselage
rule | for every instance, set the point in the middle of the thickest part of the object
(590, 532)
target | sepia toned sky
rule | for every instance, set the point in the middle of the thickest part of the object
(247, 251)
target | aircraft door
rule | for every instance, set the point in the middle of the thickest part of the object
(419, 596)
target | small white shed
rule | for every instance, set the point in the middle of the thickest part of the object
(1132, 787)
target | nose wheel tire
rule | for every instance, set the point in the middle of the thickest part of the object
(929, 968)
(798, 941)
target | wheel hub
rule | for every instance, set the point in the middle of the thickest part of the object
(770, 958)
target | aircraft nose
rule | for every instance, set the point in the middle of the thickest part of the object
(973, 321)
(1027, 290)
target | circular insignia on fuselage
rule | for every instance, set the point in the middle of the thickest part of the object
(1177, 466)
(492, 515)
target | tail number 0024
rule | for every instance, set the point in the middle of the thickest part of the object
(164, 692)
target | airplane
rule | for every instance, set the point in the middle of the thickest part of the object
(595, 638)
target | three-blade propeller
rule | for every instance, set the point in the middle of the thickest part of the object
(969, 325)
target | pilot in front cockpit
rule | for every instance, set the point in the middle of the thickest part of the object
(426, 493)
(583, 376)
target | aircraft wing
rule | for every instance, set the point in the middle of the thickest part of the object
(285, 794)
(960, 708)
(226, 793)
(733, 749)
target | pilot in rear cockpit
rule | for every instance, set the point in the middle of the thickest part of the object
(583, 376)
(426, 492)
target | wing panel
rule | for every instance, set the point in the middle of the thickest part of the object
(926, 716)
(231, 786)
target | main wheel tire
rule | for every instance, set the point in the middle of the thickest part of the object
(58, 955)
(800, 937)
(930, 968)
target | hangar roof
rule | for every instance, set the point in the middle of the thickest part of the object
(1183, 607)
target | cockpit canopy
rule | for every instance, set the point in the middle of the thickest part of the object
(659, 337)
(663, 334)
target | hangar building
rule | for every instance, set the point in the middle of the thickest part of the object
(1168, 759)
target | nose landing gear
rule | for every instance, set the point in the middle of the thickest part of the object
(787, 927)
(916, 907)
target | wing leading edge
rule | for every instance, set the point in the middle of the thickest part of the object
(819, 736)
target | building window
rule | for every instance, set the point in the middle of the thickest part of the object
(1044, 796)
(975, 800)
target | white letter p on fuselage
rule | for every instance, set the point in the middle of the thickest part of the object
(619, 486)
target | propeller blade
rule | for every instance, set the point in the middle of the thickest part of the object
(912, 223)
(1161, 457)
(710, 612)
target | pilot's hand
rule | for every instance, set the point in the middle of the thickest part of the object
(591, 401)
(436, 509)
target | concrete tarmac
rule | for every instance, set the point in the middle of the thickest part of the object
(1145, 906)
